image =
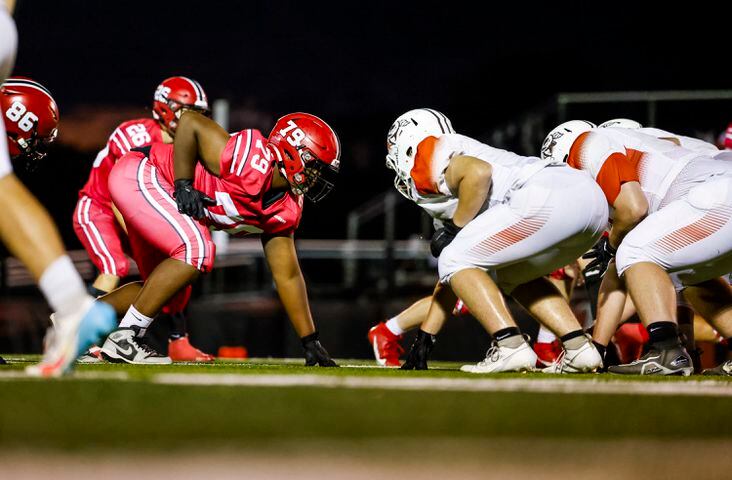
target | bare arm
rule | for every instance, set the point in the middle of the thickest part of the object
(282, 259)
(198, 137)
(11, 5)
(470, 179)
(631, 207)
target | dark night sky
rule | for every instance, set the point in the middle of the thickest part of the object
(360, 64)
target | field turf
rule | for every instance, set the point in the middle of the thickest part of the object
(245, 403)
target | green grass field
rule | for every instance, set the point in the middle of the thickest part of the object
(220, 403)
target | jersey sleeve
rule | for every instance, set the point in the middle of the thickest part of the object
(617, 169)
(235, 153)
(428, 171)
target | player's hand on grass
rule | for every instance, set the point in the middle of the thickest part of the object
(190, 201)
(601, 254)
(442, 238)
(420, 351)
(315, 354)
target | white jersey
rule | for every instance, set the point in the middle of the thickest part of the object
(690, 143)
(614, 156)
(429, 188)
(8, 44)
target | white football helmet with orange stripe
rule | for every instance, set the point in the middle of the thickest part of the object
(557, 144)
(621, 123)
(405, 134)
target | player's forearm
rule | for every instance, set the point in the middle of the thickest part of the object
(294, 297)
(186, 148)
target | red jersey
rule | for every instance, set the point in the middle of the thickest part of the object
(244, 203)
(140, 132)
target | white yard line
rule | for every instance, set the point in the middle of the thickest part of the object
(534, 385)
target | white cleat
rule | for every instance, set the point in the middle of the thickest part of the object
(93, 355)
(501, 358)
(122, 346)
(72, 335)
(584, 359)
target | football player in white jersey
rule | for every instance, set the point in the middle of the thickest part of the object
(502, 222)
(709, 299)
(25, 227)
(672, 209)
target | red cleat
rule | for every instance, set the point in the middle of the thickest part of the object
(181, 350)
(386, 345)
(547, 353)
(629, 340)
(460, 309)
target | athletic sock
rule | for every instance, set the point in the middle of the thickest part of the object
(545, 336)
(509, 337)
(62, 286)
(178, 325)
(663, 335)
(574, 340)
(602, 349)
(96, 292)
(394, 327)
(133, 318)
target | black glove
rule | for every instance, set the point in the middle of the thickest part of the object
(420, 351)
(602, 253)
(443, 237)
(315, 354)
(190, 201)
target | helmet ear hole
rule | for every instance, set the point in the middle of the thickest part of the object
(409, 151)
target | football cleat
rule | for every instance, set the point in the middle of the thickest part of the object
(122, 346)
(460, 309)
(71, 336)
(547, 352)
(501, 358)
(724, 369)
(583, 359)
(629, 340)
(181, 350)
(386, 345)
(671, 361)
(93, 355)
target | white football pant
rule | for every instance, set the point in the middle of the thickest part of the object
(547, 223)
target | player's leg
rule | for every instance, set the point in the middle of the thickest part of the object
(691, 236)
(156, 231)
(30, 235)
(712, 299)
(99, 232)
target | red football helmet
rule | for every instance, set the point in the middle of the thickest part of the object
(172, 96)
(31, 118)
(308, 154)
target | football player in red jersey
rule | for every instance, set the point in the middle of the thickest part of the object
(243, 184)
(98, 227)
(30, 120)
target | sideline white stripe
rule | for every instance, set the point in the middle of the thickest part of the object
(186, 218)
(100, 239)
(161, 210)
(532, 384)
(80, 220)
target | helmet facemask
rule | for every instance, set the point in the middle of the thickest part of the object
(32, 150)
(316, 179)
